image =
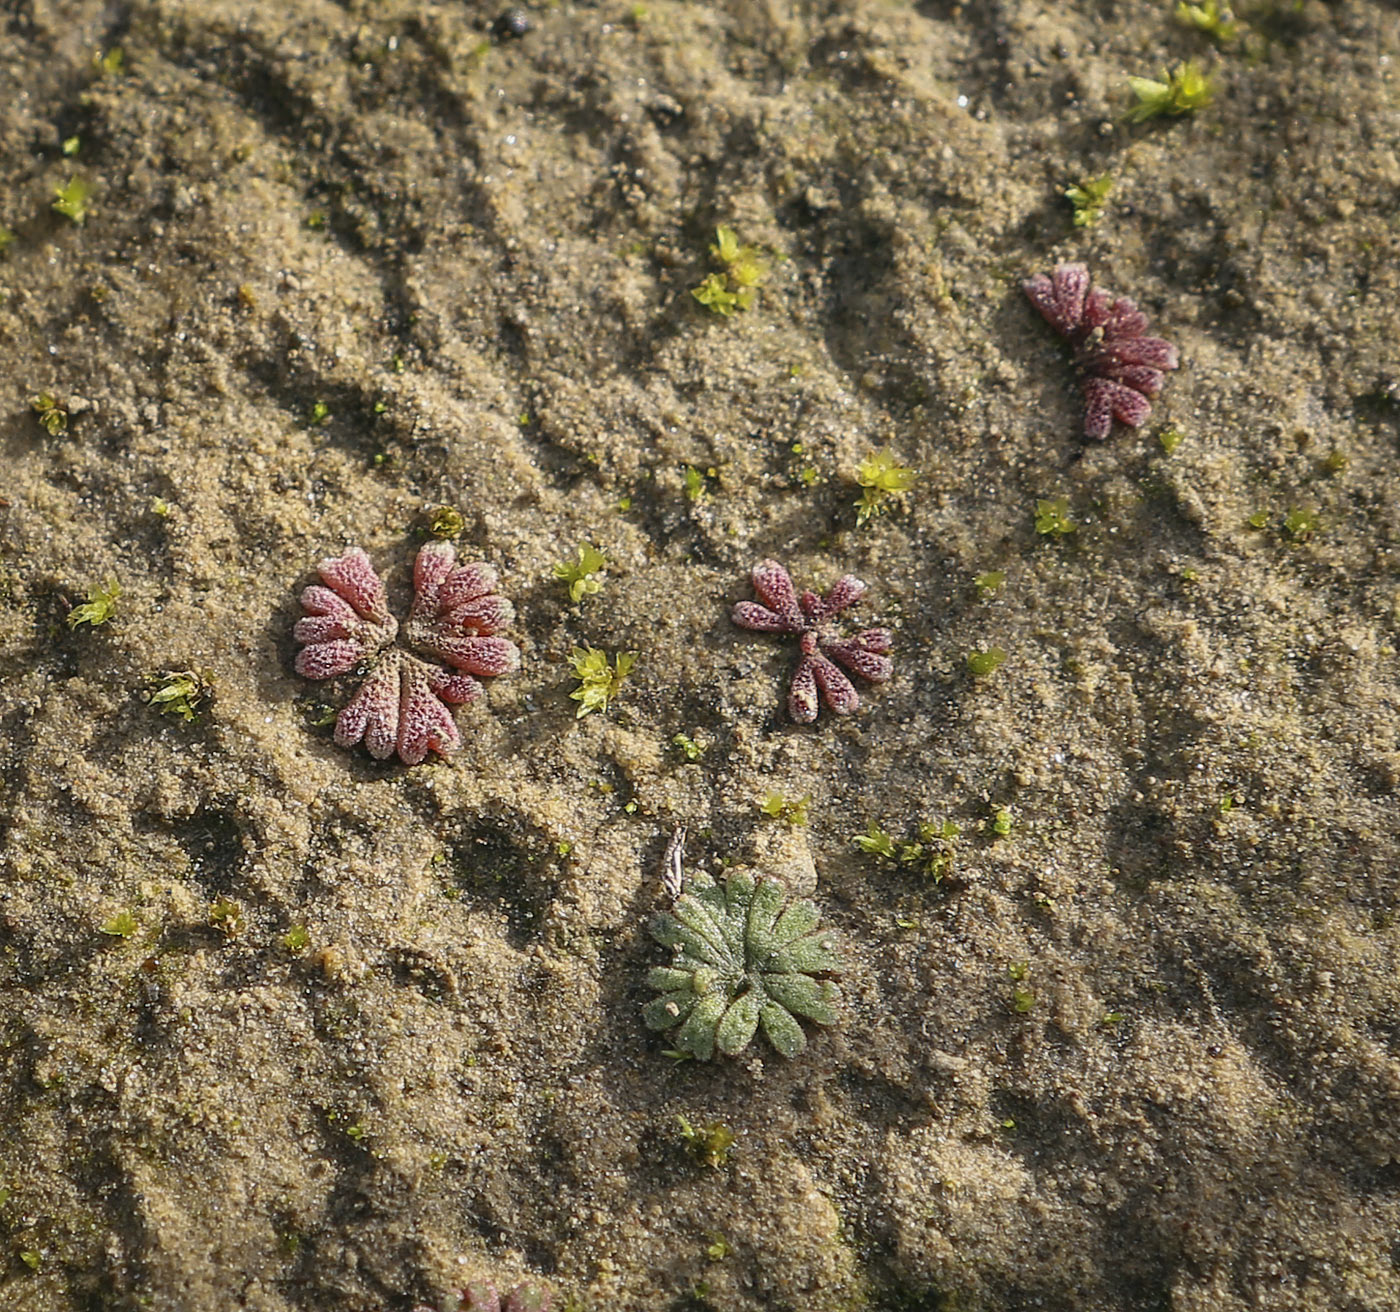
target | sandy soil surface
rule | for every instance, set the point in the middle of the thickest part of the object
(283, 1027)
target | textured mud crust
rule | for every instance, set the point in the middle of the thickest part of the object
(286, 1028)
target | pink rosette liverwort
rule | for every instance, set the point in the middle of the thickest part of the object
(403, 704)
(1120, 367)
(809, 618)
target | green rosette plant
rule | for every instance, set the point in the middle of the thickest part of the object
(745, 957)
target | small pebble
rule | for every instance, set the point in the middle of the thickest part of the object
(512, 24)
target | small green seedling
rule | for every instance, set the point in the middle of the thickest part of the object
(1022, 997)
(1301, 523)
(696, 488)
(1185, 89)
(101, 604)
(989, 583)
(1002, 822)
(710, 1143)
(226, 916)
(295, 939)
(6, 238)
(1217, 23)
(1170, 439)
(884, 481)
(876, 842)
(51, 413)
(599, 681)
(1088, 199)
(980, 664)
(109, 63)
(579, 574)
(692, 750)
(791, 811)
(1052, 517)
(936, 852)
(122, 925)
(71, 199)
(446, 522)
(72, 145)
(177, 692)
(735, 288)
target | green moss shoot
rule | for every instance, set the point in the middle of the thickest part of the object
(884, 481)
(181, 693)
(122, 925)
(981, 664)
(599, 680)
(1217, 23)
(100, 606)
(735, 288)
(71, 199)
(696, 488)
(1184, 90)
(876, 842)
(446, 522)
(791, 810)
(1052, 517)
(579, 575)
(1301, 523)
(989, 583)
(1088, 199)
(690, 749)
(709, 1143)
(51, 413)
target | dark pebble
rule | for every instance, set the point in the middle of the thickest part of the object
(511, 25)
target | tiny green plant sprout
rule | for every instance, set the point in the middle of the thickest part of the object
(1088, 198)
(1052, 517)
(1301, 523)
(579, 575)
(1217, 23)
(1183, 90)
(51, 413)
(180, 693)
(122, 925)
(709, 1143)
(791, 810)
(1022, 995)
(884, 481)
(735, 288)
(745, 958)
(934, 851)
(689, 747)
(983, 664)
(989, 583)
(100, 606)
(446, 522)
(71, 199)
(599, 682)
